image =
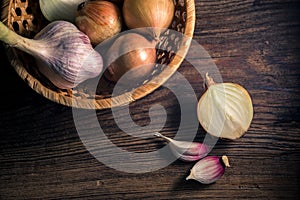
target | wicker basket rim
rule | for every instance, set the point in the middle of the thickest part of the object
(120, 100)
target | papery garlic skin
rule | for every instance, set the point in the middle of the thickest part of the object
(209, 169)
(225, 110)
(186, 151)
(69, 59)
(59, 9)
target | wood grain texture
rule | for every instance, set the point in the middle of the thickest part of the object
(253, 43)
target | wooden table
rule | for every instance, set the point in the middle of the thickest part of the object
(254, 43)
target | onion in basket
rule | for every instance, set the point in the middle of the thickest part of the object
(156, 14)
(131, 54)
(100, 20)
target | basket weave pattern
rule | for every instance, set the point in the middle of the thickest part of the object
(26, 19)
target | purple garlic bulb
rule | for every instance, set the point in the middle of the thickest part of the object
(63, 53)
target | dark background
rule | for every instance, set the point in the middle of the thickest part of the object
(253, 43)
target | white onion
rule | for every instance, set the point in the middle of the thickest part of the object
(225, 110)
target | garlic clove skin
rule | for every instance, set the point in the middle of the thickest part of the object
(186, 151)
(99, 20)
(59, 9)
(209, 169)
(225, 110)
(187, 157)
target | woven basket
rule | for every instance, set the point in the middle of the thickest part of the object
(26, 19)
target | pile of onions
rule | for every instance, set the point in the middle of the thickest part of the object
(101, 20)
(148, 17)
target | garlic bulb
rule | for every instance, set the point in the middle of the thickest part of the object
(186, 151)
(63, 53)
(209, 169)
(99, 20)
(59, 9)
(225, 110)
(156, 14)
(131, 54)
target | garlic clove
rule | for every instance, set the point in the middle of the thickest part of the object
(188, 158)
(225, 110)
(209, 169)
(186, 151)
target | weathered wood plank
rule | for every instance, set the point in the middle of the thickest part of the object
(253, 43)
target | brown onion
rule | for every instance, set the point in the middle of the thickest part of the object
(156, 14)
(131, 54)
(99, 20)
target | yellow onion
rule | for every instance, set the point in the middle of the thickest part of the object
(156, 14)
(131, 54)
(225, 110)
(99, 20)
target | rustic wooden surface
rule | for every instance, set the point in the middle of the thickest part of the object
(253, 43)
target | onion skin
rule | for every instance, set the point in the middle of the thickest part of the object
(99, 20)
(132, 54)
(156, 14)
